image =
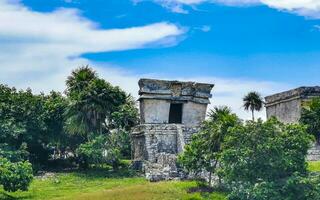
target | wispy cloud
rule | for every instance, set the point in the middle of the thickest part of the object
(307, 8)
(205, 28)
(44, 46)
(39, 50)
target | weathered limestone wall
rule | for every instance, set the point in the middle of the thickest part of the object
(156, 147)
(151, 139)
(314, 153)
(287, 106)
(156, 143)
(154, 111)
(288, 111)
(193, 113)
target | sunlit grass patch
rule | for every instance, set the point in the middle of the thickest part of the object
(314, 166)
(103, 184)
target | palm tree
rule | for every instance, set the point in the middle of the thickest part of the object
(218, 112)
(91, 102)
(79, 79)
(253, 102)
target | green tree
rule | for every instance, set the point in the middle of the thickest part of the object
(121, 123)
(310, 116)
(15, 176)
(266, 160)
(203, 153)
(22, 121)
(79, 80)
(15, 171)
(92, 101)
(253, 102)
(95, 108)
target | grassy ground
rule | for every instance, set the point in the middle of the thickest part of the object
(97, 184)
(314, 166)
(101, 184)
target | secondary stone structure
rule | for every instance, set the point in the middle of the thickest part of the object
(287, 106)
(170, 111)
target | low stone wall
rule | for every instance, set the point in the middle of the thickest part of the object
(156, 147)
(314, 153)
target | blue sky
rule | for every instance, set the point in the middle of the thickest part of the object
(240, 45)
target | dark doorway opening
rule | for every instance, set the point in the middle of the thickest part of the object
(175, 114)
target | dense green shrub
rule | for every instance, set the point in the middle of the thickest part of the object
(15, 176)
(203, 153)
(99, 150)
(310, 116)
(266, 160)
(295, 187)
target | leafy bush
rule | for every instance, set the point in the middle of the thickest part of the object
(99, 151)
(295, 187)
(310, 116)
(266, 161)
(203, 153)
(14, 155)
(15, 176)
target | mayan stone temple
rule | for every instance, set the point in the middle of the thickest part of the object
(170, 111)
(287, 106)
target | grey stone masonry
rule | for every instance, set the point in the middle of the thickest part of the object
(171, 112)
(287, 107)
(314, 153)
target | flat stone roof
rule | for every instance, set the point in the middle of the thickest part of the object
(175, 90)
(301, 92)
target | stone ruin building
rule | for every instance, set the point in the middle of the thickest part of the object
(287, 106)
(170, 111)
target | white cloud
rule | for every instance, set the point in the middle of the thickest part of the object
(205, 28)
(39, 50)
(45, 46)
(307, 8)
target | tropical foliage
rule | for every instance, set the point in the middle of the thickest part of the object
(253, 102)
(266, 160)
(203, 153)
(311, 117)
(90, 124)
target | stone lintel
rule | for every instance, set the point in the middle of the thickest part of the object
(298, 93)
(182, 99)
(165, 89)
(140, 129)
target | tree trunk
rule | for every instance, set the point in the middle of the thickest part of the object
(210, 178)
(252, 111)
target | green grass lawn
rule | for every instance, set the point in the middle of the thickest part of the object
(314, 166)
(101, 184)
(96, 184)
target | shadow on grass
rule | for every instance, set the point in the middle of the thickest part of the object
(206, 191)
(124, 171)
(6, 196)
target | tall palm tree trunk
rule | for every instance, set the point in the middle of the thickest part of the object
(252, 112)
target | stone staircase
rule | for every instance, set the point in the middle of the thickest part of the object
(164, 168)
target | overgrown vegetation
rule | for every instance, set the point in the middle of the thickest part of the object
(86, 131)
(88, 125)
(255, 160)
(203, 153)
(266, 160)
(311, 117)
(103, 183)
